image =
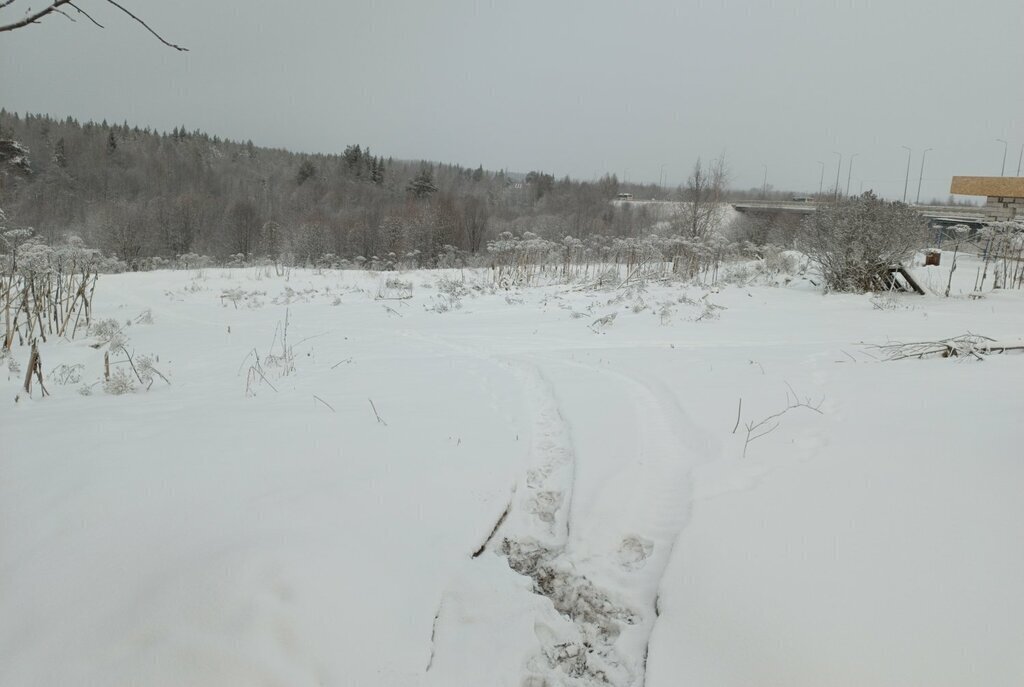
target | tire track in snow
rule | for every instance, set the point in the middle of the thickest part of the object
(623, 544)
(602, 572)
(605, 574)
(534, 540)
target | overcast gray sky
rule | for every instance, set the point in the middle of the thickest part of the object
(578, 88)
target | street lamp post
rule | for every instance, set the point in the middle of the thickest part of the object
(1002, 172)
(920, 177)
(839, 167)
(849, 173)
(821, 181)
(906, 180)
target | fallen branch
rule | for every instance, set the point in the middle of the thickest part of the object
(764, 427)
(963, 346)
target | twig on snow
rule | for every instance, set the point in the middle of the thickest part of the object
(764, 427)
(325, 403)
(379, 418)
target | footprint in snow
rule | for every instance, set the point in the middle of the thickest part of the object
(634, 552)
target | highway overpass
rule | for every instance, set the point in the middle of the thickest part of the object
(938, 216)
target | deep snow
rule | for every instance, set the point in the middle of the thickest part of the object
(544, 500)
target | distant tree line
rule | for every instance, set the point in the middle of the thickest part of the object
(138, 193)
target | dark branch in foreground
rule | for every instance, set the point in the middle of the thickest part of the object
(84, 13)
(55, 7)
(147, 27)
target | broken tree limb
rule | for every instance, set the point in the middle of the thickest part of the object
(962, 346)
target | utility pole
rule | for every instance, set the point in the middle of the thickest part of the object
(1005, 144)
(920, 177)
(839, 167)
(1020, 158)
(849, 173)
(821, 181)
(906, 180)
(764, 183)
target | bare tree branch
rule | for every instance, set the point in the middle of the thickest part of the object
(66, 16)
(55, 7)
(147, 27)
(83, 12)
(34, 17)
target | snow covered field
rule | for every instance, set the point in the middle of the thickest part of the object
(540, 486)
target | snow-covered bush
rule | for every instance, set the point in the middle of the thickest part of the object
(452, 288)
(45, 289)
(855, 242)
(108, 333)
(394, 288)
(120, 382)
(8, 359)
(1002, 244)
(145, 367)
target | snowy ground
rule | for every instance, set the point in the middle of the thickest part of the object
(543, 500)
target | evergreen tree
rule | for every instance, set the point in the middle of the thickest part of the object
(306, 172)
(353, 155)
(377, 173)
(422, 185)
(60, 157)
(111, 143)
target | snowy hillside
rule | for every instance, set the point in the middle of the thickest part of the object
(418, 479)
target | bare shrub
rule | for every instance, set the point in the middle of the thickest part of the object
(394, 289)
(854, 242)
(67, 374)
(120, 382)
(108, 332)
(13, 366)
(451, 292)
(44, 289)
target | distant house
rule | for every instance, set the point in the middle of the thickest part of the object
(1004, 196)
(801, 199)
(624, 196)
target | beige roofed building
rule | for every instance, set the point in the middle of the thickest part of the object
(1004, 195)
